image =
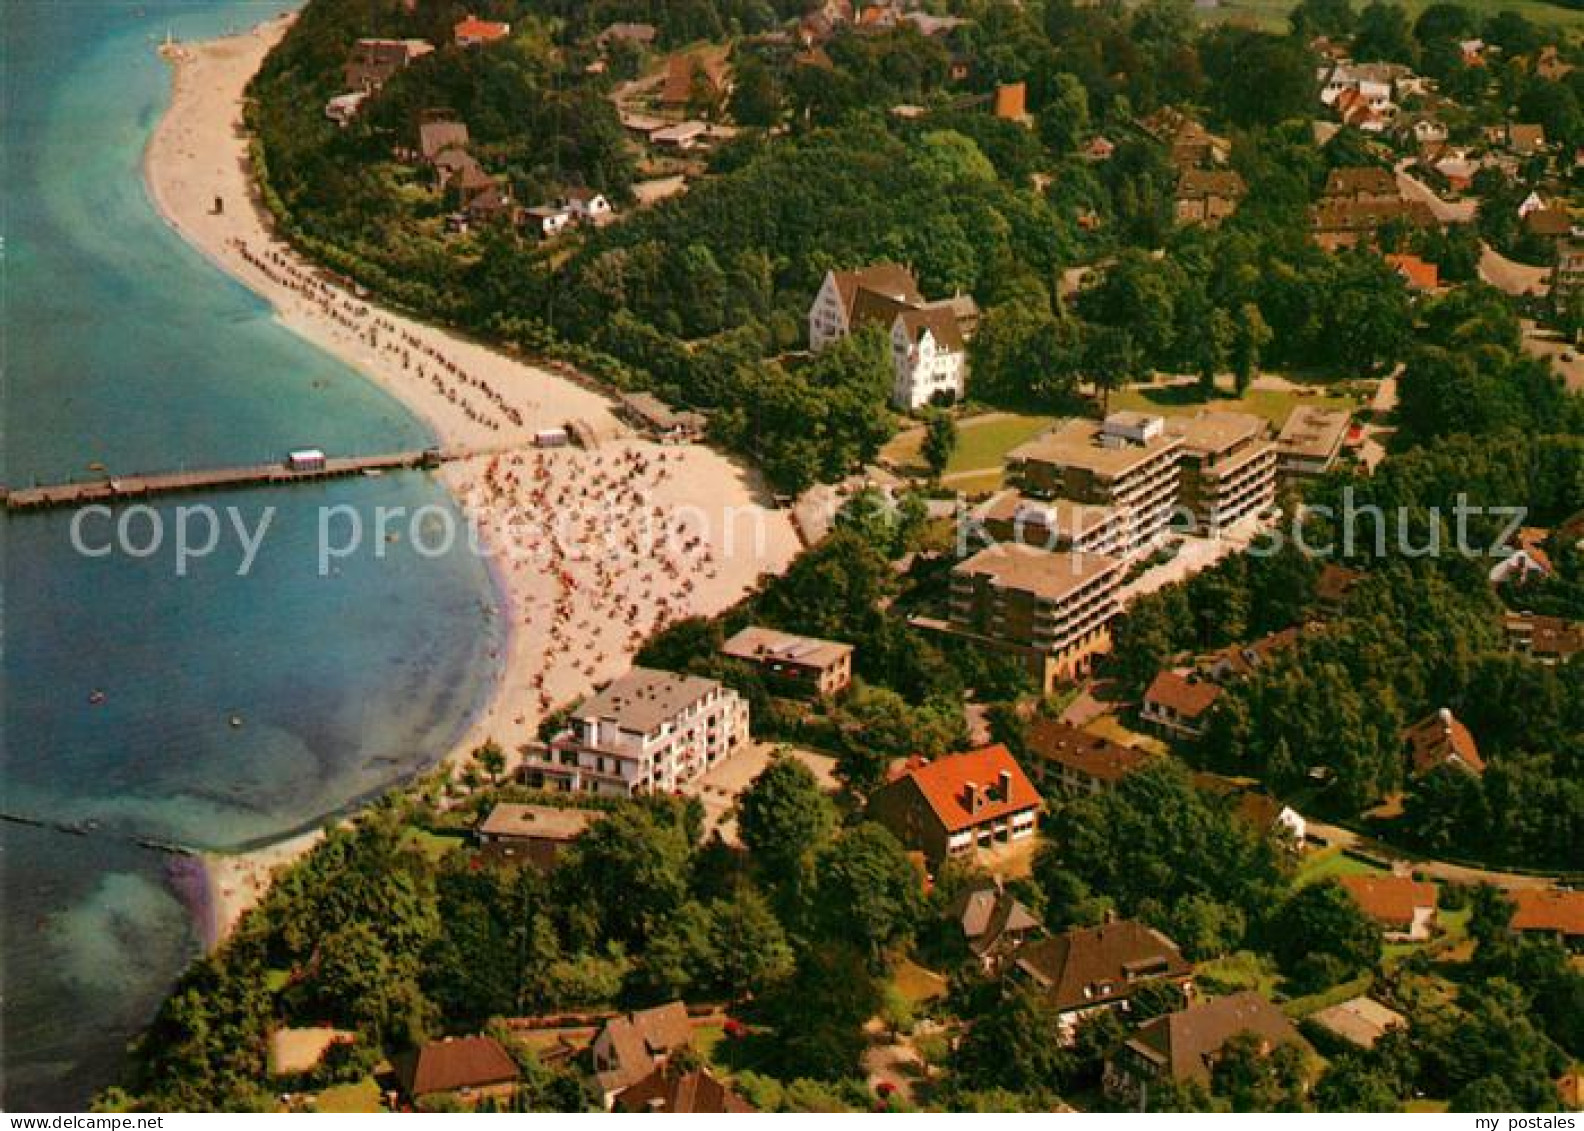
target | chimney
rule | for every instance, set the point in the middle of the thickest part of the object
(973, 797)
(1445, 714)
(1004, 785)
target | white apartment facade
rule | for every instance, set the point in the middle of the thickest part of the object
(647, 732)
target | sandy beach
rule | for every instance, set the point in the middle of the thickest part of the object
(593, 549)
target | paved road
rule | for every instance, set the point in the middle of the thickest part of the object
(1439, 869)
(1511, 276)
(1542, 343)
(1446, 211)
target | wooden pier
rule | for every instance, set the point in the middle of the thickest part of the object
(137, 488)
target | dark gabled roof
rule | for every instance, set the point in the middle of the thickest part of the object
(1366, 180)
(1186, 695)
(1185, 1043)
(685, 1093)
(1093, 965)
(1090, 755)
(1440, 740)
(454, 1064)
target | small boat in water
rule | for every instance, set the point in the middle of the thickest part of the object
(236, 722)
(96, 697)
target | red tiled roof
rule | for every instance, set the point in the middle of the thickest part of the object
(1441, 740)
(944, 785)
(1420, 274)
(475, 28)
(1549, 910)
(1190, 698)
(1389, 900)
(693, 1093)
(1087, 754)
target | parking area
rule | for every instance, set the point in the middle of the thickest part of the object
(719, 788)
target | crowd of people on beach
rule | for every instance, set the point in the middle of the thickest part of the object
(474, 396)
(621, 564)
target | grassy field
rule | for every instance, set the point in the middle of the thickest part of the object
(364, 1096)
(982, 442)
(1329, 863)
(1272, 14)
(1184, 400)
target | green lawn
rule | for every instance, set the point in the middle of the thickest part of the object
(1328, 863)
(364, 1096)
(434, 845)
(1274, 405)
(982, 442)
(1244, 970)
(1272, 14)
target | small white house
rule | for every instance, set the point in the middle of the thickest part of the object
(549, 220)
(587, 206)
(344, 107)
(306, 459)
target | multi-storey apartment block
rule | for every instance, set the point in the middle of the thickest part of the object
(1227, 466)
(1128, 462)
(1311, 441)
(1052, 610)
(1053, 524)
(649, 731)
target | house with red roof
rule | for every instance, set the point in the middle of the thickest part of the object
(466, 1070)
(1178, 705)
(1404, 908)
(1441, 740)
(474, 32)
(959, 804)
(1550, 911)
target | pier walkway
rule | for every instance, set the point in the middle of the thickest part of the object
(134, 488)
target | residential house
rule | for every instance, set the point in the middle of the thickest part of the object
(1310, 442)
(632, 1046)
(1129, 462)
(994, 924)
(474, 32)
(649, 414)
(1335, 584)
(1358, 202)
(1178, 705)
(1550, 640)
(1534, 202)
(957, 805)
(374, 62)
(1419, 274)
(532, 834)
(439, 136)
(640, 35)
(932, 26)
(1188, 143)
(1184, 1046)
(1052, 524)
(1267, 815)
(548, 220)
(588, 206)
(1525, 561)
(1208, 196)
(1550, 65)
(929, 351)
(1011, 103)
(1226, 466)
(1526, 139)
(489, 203)
(1092, 969)
(1424, 130)
(696, 1092)
(344, 108)
(647, 732)
(1360, 1021)
(1361, 108)
(1378, 84)
(1061, 757)
(1551, 912)
(799, 665)
(1051, 611)
(1241, 661)
(699, 78)
(1403, 907)
(683, 136)
(1441, 740)
(467, 1070)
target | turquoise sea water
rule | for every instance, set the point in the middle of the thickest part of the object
(212, 710)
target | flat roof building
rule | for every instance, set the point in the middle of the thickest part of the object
(1053, 524)
(532, 834)
(1054, 610)
(649, 731)
(1311, 441)
(1128, 461)
(1227, 466)
(803, 665)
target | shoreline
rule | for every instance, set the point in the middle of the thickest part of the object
(574, 612)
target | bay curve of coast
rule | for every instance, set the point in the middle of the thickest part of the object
(619, 540)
